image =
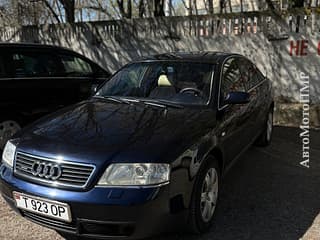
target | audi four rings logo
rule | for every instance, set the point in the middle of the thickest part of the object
(46, 170)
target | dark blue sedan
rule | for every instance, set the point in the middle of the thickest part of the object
(146, 154)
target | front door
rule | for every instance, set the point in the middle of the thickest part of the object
(233, 119)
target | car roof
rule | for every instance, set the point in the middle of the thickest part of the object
(39, 46)
(200, 56)
(32, 45)
(46, 47)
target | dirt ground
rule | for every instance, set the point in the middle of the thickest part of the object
(266, 195)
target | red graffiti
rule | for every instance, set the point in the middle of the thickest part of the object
(299, 47)
(304, 47)
(294, 46)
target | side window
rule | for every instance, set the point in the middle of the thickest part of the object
(258, 75)
(251, 75)
(34, 65)
(231, 79)
(75, 65)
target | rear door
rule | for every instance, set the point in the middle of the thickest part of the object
(82, 74)
(78, 77)
(36, 77)
(233, 118)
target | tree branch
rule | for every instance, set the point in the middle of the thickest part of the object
(52, 11)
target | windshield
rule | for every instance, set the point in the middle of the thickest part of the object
(178, 82)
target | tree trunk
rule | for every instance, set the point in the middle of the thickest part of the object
(51, 10)
(142, 8)
(123, 12)
(190, 7)
(195, 6)
(210, 5)
(270, 5)
(159, 8)
(129, 9)
(230, 7)
(69, 8)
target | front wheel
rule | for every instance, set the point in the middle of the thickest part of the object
(7, 129)
(205, 197)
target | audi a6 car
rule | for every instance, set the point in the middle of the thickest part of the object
(146, 154)
(38, 79)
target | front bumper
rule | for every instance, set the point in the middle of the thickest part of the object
(106, 213)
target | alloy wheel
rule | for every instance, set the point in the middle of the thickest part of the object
(209, 195)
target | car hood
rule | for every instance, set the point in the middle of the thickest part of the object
(100, 130)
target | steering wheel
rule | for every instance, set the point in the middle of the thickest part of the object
(194, 90)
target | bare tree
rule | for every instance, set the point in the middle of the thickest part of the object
(159, 8)
(230, 6)
(270, 5)
(69, 8)
(125, 13)
(210, 6)
(190, 8)
(142, 8)
(52, 11)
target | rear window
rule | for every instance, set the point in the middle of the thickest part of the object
(34, 64)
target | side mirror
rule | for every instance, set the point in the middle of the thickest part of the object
(237, 98)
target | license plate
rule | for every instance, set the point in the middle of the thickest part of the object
(43, 207)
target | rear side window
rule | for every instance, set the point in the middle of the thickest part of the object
(34, 65)
(75, 65)
(231, 79)
(258, 76)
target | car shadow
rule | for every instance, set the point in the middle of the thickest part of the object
(268, 194)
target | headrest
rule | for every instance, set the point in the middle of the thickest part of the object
(163, 81)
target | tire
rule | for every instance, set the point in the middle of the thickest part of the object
(7, 129)
(266, 136)
(200, 222)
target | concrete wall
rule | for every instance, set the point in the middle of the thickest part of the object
(266, 40)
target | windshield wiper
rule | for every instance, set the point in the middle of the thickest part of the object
(131, 100)
(161, 103)
(151, 102)
(154, 104)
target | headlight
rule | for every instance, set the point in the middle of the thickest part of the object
(135, 174)
(8, 153)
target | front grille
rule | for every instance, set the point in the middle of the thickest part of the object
(71, 174)
(48, 222)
